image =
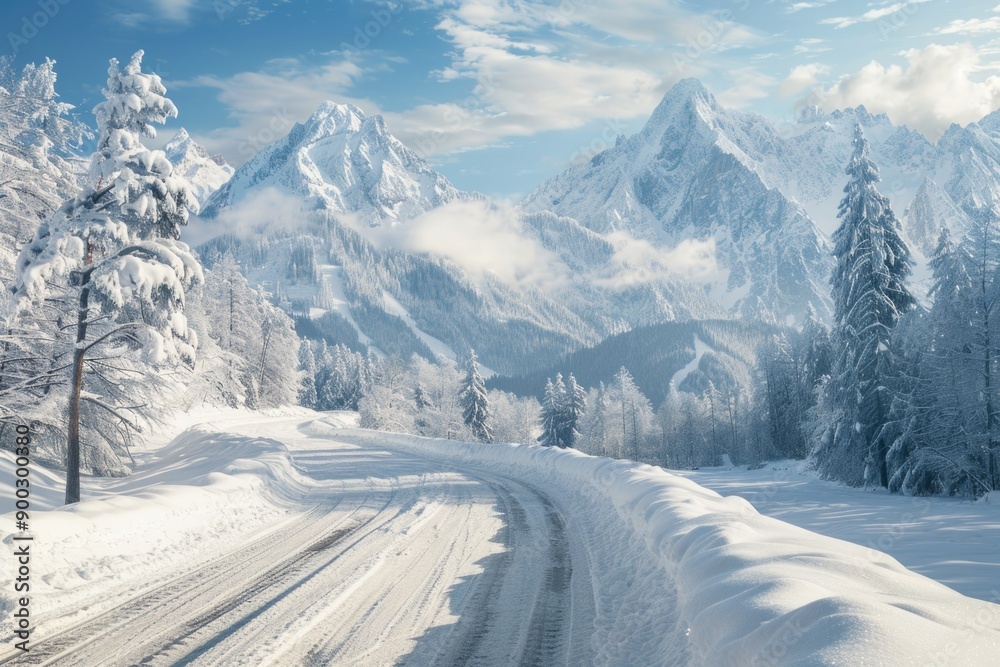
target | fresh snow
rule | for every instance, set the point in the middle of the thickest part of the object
(330, 276)
(394, 307)
(438, 347)
(700, 348)
(950, 540)
(345, 162)
(283, 539)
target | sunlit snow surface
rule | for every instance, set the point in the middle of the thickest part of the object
(649, 568)
(951, 540)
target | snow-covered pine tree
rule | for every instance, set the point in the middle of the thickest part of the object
(256, 335)
(277, 351)
(870, 295)
(36, 133)
(594, 424)
(982, 344)
(307, 364)
(574, 406)
(551, 415)
(560, 418)
(113, 252)
(475, 401)
(942, 434)
(635, 416)
(817, 357)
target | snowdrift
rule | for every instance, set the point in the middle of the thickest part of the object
(199, 496)
(748, 589)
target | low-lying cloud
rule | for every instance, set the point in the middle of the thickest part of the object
(480, 237)
(263, 212)
(637, 261)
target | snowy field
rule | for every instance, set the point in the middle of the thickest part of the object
(298, 539)
(954, 541)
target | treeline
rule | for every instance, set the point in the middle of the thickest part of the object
(732, 423)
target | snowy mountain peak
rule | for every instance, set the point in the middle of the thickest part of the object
(205, 173)
(686, 102)
(332, 119)
(686, 89)
(181, 143)
(343, 161)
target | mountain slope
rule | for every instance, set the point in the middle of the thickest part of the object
(205, 173)
(695, 171)
(930, 210)
(348, 254)
(768, 197)
(343, 161)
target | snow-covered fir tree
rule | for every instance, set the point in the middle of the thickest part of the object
(37, 135)
(574, 406)
(551, 415)
(563, 405)
(944, 436)
(112, 255)
(475, 401)
(870, 295)
(307, 364)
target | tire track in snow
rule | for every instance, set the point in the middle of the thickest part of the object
(523, 607)
(141, 620)
(408, 579)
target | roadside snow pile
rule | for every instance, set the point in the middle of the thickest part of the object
(197, 497)
(747, 589)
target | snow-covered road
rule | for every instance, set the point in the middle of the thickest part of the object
(400, 560)
(299, 540)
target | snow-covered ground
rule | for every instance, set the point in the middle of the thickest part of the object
(299, 539)
(954, 541)
(700, 348)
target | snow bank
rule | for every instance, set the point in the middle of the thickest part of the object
(748, 589)
(197, 497)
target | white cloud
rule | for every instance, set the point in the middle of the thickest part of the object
(540, 66)
(636, 261)
(146, 12)
(750, 85)
(264, 211)
(970, 26)
(810, 45)
(939, 86)
(533, 66)
(658, 21)
(480, 237)
(872, 14)
(799, 6)
(800, 78)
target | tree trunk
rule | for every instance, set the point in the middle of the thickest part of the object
(987, 358)
(73, 441)
(988, 388)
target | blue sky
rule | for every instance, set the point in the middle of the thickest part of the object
(501, 94)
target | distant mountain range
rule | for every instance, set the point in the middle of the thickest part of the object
(750, 203)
